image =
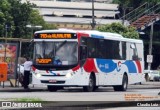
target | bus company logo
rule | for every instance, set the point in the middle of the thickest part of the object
(53, 73)
(6, 104)
(101, 66)
(119, 66)
(106, 66)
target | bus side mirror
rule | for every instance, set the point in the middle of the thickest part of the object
(83, 54)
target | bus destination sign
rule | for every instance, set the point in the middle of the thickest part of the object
(55, 36)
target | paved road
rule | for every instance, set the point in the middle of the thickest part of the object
(102, 99)
(145, 92)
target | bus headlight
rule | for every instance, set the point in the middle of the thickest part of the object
(38, 75)
(68, 75)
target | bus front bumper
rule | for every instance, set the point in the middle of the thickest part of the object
(76, 80)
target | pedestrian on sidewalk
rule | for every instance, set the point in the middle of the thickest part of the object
(27, 68)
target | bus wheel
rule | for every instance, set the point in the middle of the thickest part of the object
(91, 85)
(147, 77)
(52, 88)
(95, 88)
(124, 85)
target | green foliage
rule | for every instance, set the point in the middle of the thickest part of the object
(128, 32)
(134, 3)
(16, 15)
(21, 14)
(50, 26)
(5, 17)
(124, 3)
(35, 18)
(26, 99)
(151, 1)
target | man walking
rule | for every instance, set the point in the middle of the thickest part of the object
(27, 68)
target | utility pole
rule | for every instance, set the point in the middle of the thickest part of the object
(124, 15)
(150, 44)
(93, 18)
(5, 44)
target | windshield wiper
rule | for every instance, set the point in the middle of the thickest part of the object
(61, 45)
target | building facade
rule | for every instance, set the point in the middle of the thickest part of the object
(77, 15)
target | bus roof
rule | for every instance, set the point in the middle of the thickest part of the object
(94, 34)
(111, 36)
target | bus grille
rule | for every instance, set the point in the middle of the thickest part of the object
(57, 82)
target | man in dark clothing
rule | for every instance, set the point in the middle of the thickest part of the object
(27, 68)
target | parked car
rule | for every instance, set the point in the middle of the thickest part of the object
(152, 75)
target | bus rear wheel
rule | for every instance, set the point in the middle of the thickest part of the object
(91, 85)
(124, 85)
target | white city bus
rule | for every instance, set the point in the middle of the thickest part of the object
(88, 59)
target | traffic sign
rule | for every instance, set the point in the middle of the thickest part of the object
(149, 58)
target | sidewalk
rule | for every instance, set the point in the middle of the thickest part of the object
(8, 88)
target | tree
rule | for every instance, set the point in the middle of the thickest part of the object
(6, 20)
(50, 26)
(134, 3)
(124, 5)
(21, 14)
(36, 19)
(17, 15)
(128, 32)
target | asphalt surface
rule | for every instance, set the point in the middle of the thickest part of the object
(101, 99)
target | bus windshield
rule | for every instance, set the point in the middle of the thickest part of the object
(60, 53)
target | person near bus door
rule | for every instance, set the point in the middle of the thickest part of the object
(27, 68)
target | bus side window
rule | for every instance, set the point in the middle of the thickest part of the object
(101, 48)
(83, 40)
(83, 52)
(124, 50)
(114, 50)
(139, 51)
(135, 54)
(92, 48)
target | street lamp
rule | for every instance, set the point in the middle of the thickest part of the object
(30, 26)
(150, 46)
(33, 27)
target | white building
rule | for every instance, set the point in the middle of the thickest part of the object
(76, 14)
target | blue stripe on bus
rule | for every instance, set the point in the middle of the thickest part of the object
(131, 66)
(96, 36)
(106, 66)
(53, 73)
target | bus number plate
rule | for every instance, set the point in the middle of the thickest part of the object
(52, 81)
